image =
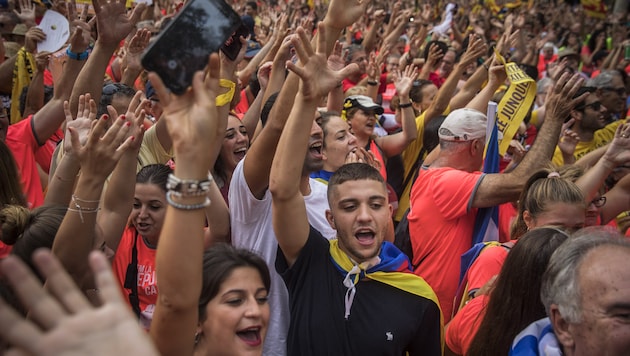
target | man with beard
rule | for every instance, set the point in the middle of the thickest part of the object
(611, 90)
(589, 125)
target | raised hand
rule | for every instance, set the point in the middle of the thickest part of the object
(343, 13)
(618, 151)
(434, 57)
(192, 117)
(61, 320)
(496, 73)
(26, 13)
(103, 148)
(335, 60)
(41, 60)
(86, 114)
(477, 47)
(135, 48)
(560, 100)
(135, 116)
(113, 22)
(317, 79)
(33, 36)
(404, 80)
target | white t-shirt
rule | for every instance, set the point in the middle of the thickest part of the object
(252, 229)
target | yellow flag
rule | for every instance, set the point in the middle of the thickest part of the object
(515, 104)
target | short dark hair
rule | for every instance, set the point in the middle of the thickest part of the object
(154, 174)
(252, 4)
(109, 91)
(352, 172)
(218, 264)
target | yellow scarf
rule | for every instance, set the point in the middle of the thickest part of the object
(22, 74)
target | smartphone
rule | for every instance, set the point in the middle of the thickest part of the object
(183, 47)
(233, 45)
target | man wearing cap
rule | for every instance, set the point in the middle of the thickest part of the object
(446, 195)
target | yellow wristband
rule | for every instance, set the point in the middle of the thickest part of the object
(226, 98)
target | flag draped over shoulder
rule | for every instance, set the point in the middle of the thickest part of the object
(486, 222)
(515, 104)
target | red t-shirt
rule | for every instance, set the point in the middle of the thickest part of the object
(147, 283)
(22, 143)
(441, 222)
(487, 265)
(464, 326)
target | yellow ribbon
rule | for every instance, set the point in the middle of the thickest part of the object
(226, 98)
(515, 104)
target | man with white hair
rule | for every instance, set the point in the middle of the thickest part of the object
(447, 194)
(586, 292)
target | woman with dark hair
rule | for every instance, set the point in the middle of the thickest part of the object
(488, 324)
(208, 304)
(233, 149)
(10, 189)
(26, 231)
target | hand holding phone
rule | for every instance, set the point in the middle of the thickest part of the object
(183, 47)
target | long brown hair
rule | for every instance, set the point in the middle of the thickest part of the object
(515, 300)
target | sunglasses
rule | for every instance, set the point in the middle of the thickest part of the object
(111, 89)
(595, 106)
(620, 91)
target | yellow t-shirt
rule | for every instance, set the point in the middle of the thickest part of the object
(600, 138)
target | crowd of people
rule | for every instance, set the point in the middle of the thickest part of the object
(322, 192)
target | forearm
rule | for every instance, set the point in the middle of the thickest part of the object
(34, 95)
(118, 200)
(129, 76)
(335, 99)
(444, 95)
(252, 116)
(47, 120)
(408, 119)
(591, 158)
(75, 237)
(286, 170)
(218, 216)
(594, 178)
(480, 101)
(470, 89)
(88, 81)
(369, 42)
(541, 152)
(6, 75)
(62, 183)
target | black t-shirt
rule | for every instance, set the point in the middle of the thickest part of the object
(383, 320)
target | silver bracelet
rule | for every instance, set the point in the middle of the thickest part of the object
(169, 200)
(188, 187)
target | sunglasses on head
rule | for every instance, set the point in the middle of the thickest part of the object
(111, 89)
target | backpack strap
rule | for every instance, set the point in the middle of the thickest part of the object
(131, 278)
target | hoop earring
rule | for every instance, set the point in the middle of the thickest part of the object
(197, 337)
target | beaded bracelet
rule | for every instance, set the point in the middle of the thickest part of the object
(406, 105)
(188, 187)
(171, 202)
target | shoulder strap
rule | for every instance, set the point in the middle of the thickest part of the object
(131, 278)
(414, 170)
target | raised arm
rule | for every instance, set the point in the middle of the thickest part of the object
(192, 124)
(289, 211)
(496, 189)
(98, 156)
(113, 26)
(48, 119)
(396, 143)
(118, 197)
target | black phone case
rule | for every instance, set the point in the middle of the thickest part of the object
(183, 47)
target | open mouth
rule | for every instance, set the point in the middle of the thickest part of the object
(316, 149)
(250, 336)
(365, 236)
(240, 153)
